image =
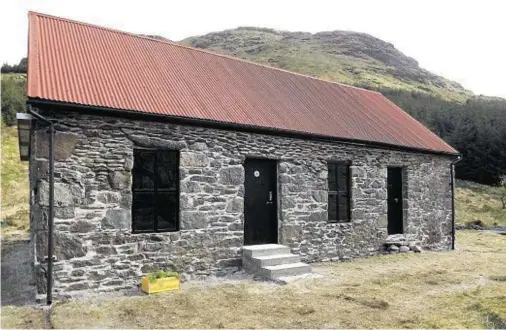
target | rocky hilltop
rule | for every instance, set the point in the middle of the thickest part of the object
(348, 57)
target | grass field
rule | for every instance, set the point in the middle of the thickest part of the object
(15, 191)
(459, 289)
(475, 201)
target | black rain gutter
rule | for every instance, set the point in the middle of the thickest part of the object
(452, 184)
(49, 298)
(138, 115)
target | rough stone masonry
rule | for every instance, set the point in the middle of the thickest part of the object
(96, 249)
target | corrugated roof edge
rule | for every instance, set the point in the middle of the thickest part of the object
(33, 61)
(260, 129)
(199, 50)
(420, 124)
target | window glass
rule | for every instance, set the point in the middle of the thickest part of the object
(142, 211)
(144, 165)
(155, 189)
(332, 177)
(332, 207)
(167, 210)
(339, 197)
(342, 178)
(168, 170)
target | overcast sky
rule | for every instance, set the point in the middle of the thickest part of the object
(461, 40)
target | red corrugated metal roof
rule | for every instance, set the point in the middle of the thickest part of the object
(74, 62)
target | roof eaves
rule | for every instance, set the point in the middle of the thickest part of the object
(128, 113)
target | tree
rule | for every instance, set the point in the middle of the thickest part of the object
(21, 67)
(13, 97)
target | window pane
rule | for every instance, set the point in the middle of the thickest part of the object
(24, 135)
(343, 199)
(144, 163)
(342, 210)
(332, 177)
(339, 197)
(167, 210)
(342, 177)
(332, 208)
(142, 211)
(167, 170)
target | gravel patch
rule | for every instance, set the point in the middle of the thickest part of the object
(18, 286)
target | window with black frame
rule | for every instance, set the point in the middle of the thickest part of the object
(339, 192)
(155, 191)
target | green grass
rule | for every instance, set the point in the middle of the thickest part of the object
(15, 191)
(479, 203)
(20, 76)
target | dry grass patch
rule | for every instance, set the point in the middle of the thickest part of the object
(432, 290)
(14, 317)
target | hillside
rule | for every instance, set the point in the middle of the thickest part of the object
(347, 57)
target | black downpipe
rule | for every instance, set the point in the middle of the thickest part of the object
(49, 298)
(452, 184)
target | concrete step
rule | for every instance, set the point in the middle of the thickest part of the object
(277, 259)
(294, 269)
(263, 250)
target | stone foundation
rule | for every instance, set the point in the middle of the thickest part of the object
(96, 249)
(400, 243)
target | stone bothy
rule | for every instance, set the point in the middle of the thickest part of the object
(184, 166)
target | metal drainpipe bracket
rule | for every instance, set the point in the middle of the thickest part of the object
(54, 259)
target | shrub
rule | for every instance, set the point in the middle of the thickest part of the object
(161, 274)
(475, 223)
(13, 97)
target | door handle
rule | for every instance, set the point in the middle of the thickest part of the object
(270, 198)
(396, 200)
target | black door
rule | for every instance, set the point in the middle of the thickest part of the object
(260, 206)
(395, 214)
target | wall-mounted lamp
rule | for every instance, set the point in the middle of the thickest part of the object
(25, 122)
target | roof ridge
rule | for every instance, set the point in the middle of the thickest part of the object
(197, 49)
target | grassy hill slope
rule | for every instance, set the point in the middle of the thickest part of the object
(343, 56)
(477, 202)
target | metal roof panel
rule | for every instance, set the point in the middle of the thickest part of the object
(79, 63)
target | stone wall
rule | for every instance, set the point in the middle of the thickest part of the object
(93, 240)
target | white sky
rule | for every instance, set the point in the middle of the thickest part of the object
(461, 40)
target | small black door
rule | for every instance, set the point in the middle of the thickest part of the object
(260, 206)
(395, 213)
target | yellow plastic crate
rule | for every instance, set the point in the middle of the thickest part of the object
(160, 284)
